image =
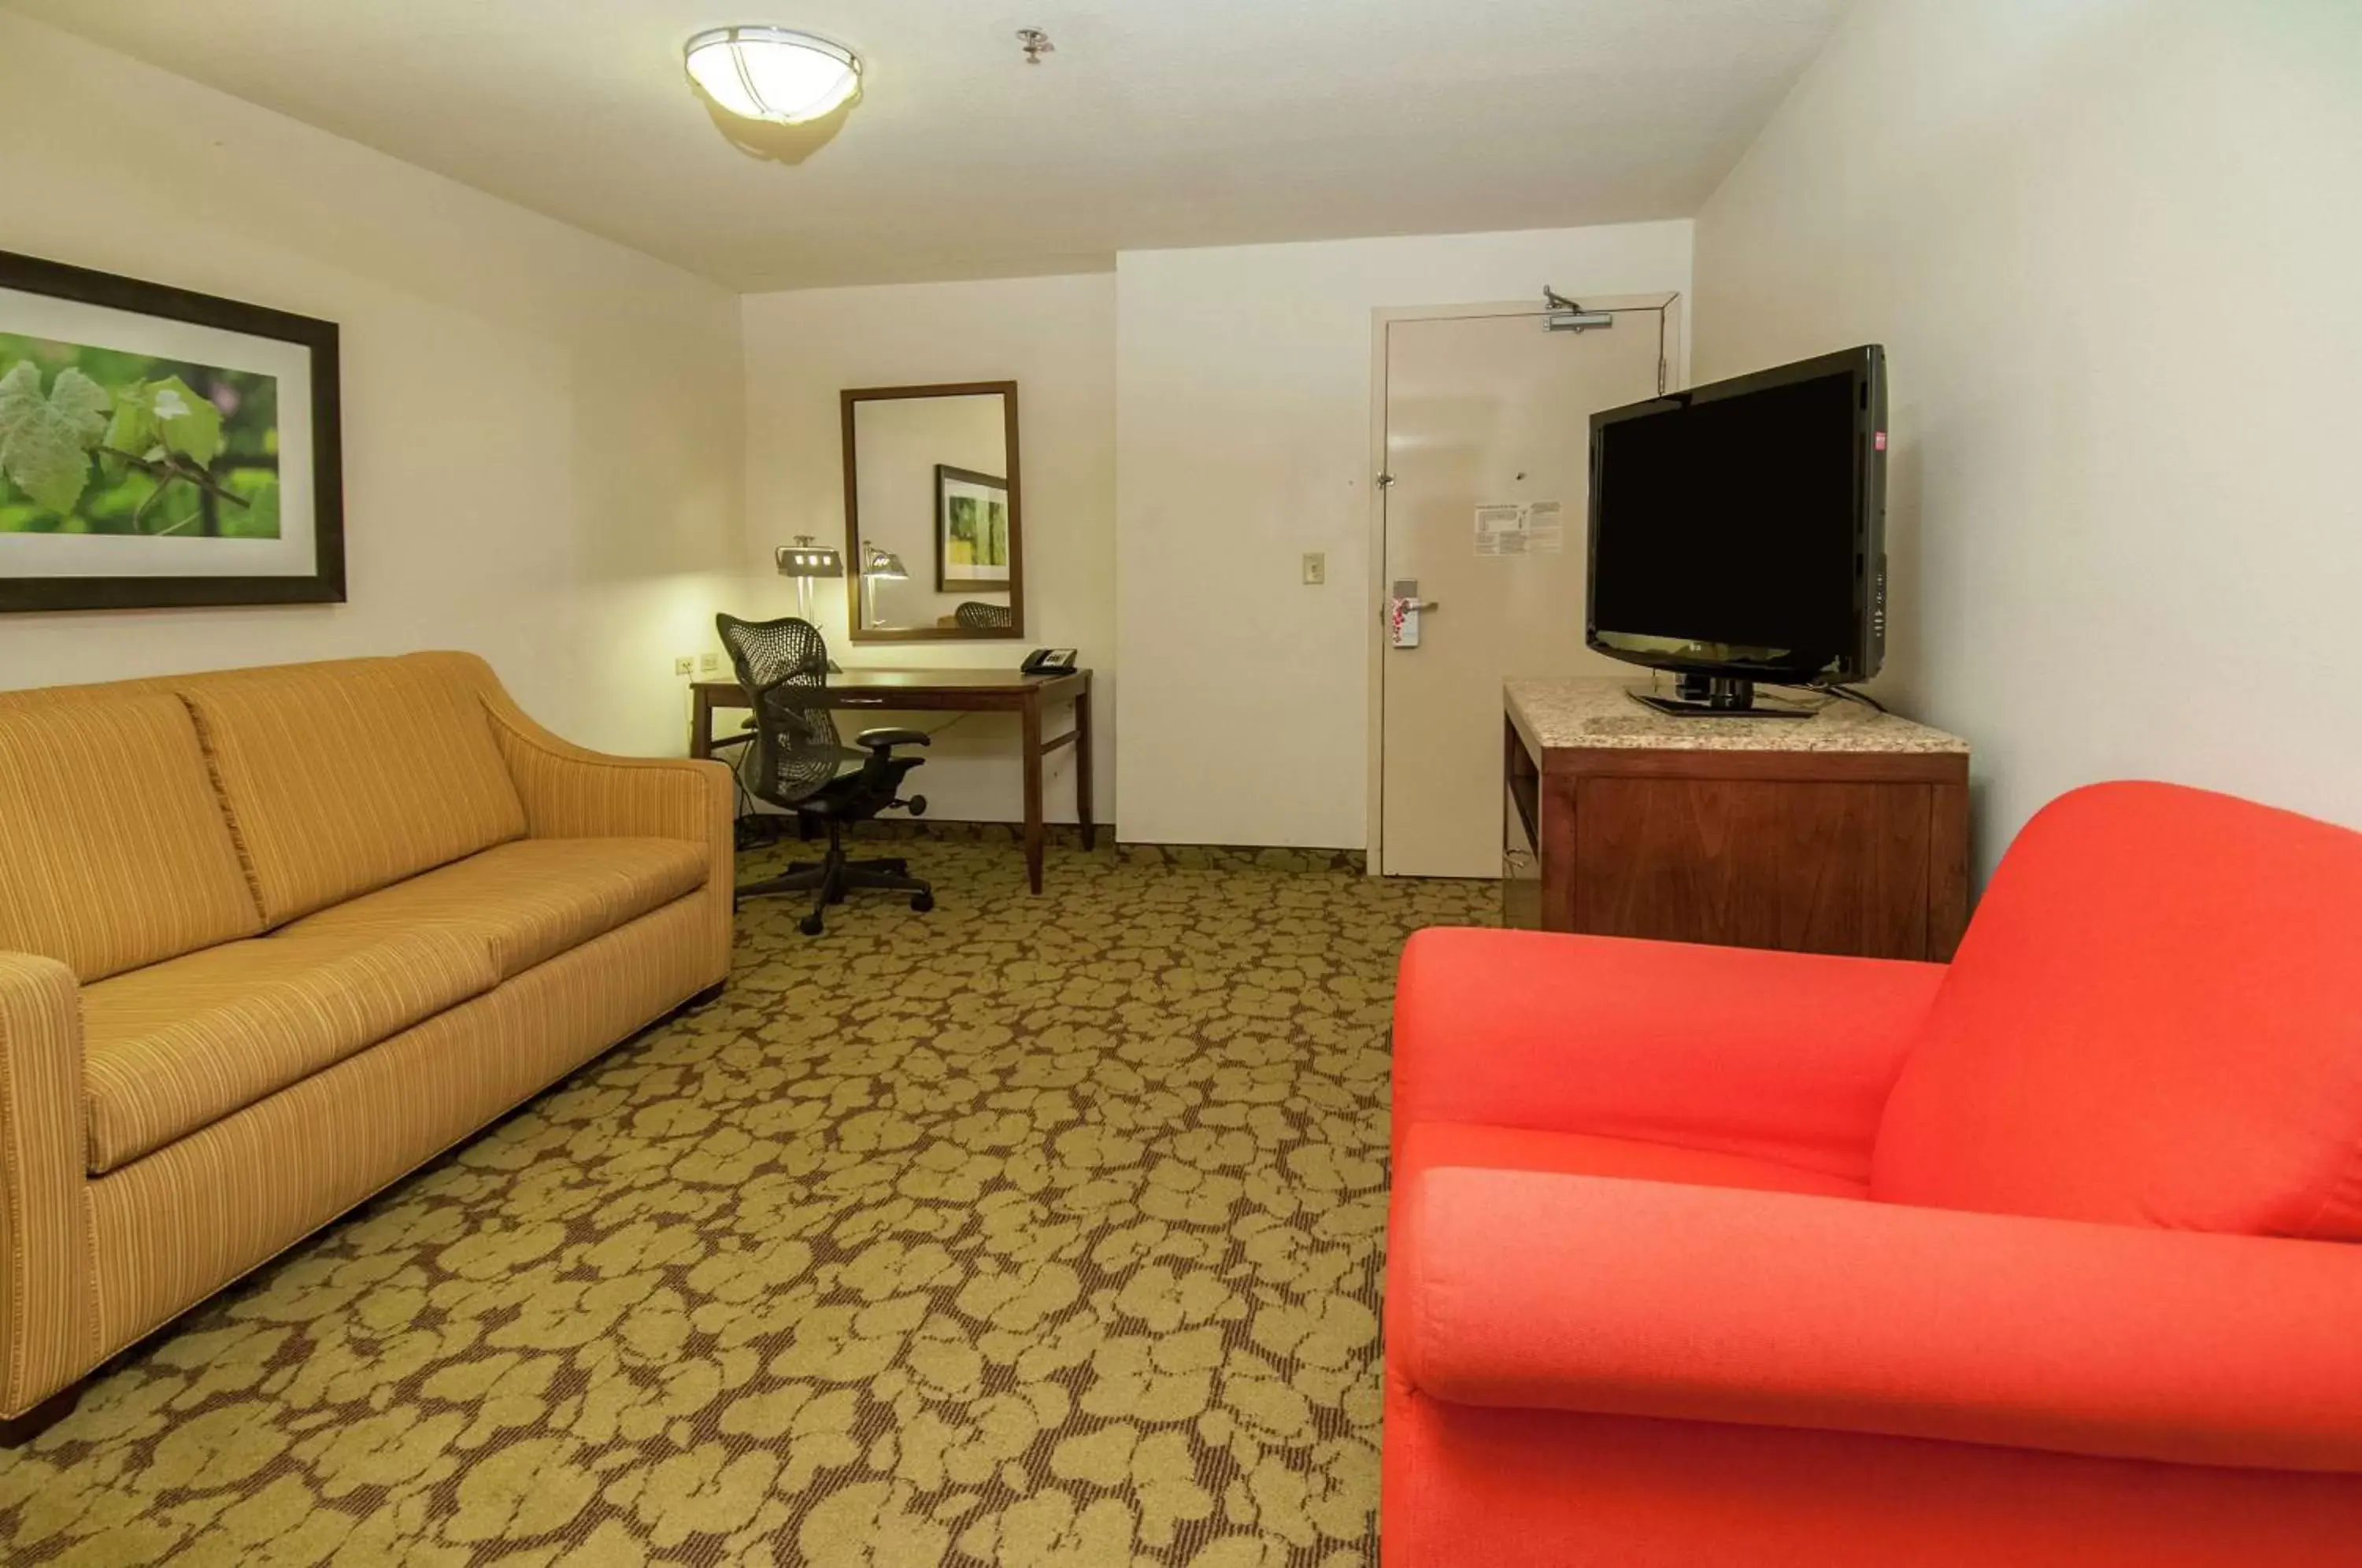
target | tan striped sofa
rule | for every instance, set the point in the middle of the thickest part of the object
(271, 938)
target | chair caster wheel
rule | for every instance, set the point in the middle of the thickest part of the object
(916, 805)
(922, 902)
(808, 925)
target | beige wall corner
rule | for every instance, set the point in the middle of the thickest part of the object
(542, 429)
(1053, 337)
(1242, 441)
(2103, 246)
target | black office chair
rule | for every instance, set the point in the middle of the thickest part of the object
(796, 761)
(978, 615)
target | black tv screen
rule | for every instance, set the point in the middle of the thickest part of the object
(1739, 528)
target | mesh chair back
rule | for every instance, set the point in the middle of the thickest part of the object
(796, 750)
(978, 615)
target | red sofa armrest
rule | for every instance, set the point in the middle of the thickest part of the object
(1781, 1057)
(1640, 1298)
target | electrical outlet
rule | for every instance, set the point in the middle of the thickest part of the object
(684, 665)
(1316, 567)
(709, 664)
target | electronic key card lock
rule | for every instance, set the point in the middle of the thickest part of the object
(1404, 607)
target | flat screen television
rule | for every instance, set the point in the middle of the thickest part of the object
(1738, 531)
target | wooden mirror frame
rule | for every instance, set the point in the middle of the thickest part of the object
(850, 400)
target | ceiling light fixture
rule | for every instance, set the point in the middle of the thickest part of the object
(772, 74)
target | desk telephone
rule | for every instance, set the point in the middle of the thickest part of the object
(1049, 661)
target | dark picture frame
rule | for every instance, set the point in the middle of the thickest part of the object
(947, 480)
(318, 340)
(849, 401)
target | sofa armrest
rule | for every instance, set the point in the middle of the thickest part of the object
(49, 1311)
(1638, 1298)
(1781, 1057)
(571, 791)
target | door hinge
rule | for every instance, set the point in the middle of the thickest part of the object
(1386, 481)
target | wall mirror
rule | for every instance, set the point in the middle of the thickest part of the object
(934, 547)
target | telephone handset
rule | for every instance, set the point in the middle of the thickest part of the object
(1049, 661)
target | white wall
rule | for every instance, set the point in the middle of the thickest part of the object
(1242, 441)
(541, 429)
(1056, 339)
(2113, 248)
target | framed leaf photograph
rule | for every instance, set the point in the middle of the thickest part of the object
(159, 447)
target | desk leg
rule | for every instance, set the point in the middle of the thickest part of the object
(701, 723)
(1032, 714)
(1083, 768)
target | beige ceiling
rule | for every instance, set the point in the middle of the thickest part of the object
(1157, 123)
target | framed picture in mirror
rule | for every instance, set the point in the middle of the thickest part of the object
(971, 529)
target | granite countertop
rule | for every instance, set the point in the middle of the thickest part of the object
(1588, 713)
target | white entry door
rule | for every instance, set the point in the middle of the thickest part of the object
(1486, 447)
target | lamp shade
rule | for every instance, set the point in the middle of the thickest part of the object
(772, 74)
(804, 559)
(883, 564)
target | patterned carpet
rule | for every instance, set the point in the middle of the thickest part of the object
(1028, 1232)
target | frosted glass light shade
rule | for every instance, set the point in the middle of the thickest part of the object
(771, 73)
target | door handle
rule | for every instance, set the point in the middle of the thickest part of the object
(1401, 615)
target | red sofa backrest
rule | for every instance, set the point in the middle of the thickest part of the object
(2154, 1019)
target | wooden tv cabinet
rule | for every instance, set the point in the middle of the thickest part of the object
(1844, 832)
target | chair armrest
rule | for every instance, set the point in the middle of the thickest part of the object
(1640, 1298)
(48, 1313)
(1783, 1056)
(885, 740)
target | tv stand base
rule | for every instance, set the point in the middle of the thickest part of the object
(1714, 697)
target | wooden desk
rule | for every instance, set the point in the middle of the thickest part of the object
(952, 690)
(1844, 832)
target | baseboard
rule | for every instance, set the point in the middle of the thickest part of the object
(1069, 835)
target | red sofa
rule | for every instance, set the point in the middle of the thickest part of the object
(1709, 1256)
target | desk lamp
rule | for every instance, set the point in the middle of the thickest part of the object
(805, 560)
(877, 566)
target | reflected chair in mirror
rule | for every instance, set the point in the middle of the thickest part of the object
(796, 762)
(981, 615)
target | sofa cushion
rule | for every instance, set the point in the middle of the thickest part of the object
(113, 851)
(532, 899)
(178, 1045)
(342, 777)
(1434, 1145)
(2154, 1019)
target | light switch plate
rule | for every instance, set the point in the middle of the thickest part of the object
(1316, 567)
(709, 664)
